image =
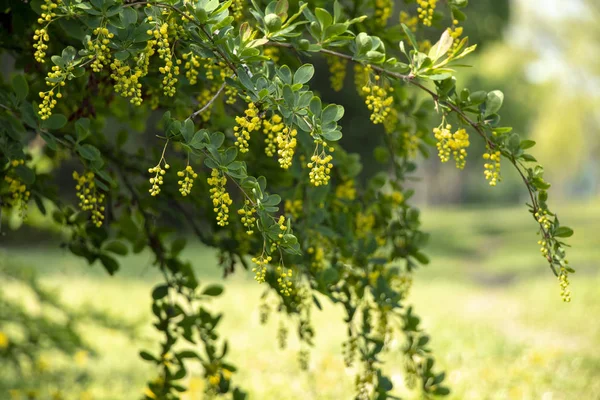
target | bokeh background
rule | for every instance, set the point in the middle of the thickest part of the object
(493, 308)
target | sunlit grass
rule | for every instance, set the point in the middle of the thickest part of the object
(491, 304)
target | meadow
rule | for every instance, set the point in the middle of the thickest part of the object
(498, 325)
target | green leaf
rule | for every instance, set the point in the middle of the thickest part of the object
(82, 128)
(160, 292)
(325, 19)
(56, 121)
(89, 152)
(527, 144)
(110, 264)
(26, 174)
(494, 101)
(68, 54)
(304, 74)
(177, 246)
(50, 140)
(440, 49)
(213, 290)
(563, 232)
(332, 113)
(20, 87)
(117, 247)
(332, 136)
(411, 37)
(330, 275)
(147, 356)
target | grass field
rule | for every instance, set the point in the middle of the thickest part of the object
(492, 306)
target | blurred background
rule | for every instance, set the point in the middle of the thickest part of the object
(492, 307)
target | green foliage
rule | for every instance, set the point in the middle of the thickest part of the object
(302, 217)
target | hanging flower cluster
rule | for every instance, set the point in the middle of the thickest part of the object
(377, 99)
(337, 72)
(90, 198)
(247, 217)
(286, 146)
(98, 49)
(247, 124)
(17, 190)
(320, 163)
(426, 10)
(383, 11)
(220, 197)
(271, 129)
(260, 270)
(492, 168)
(185, 184)
(41, 35)
(191, 66)
(170, 70)
(452, 143)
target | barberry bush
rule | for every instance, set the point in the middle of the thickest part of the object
(248, 157)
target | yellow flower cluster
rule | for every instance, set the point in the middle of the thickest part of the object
(286, 146)
(411, 22)
(157, 180)
(272, 53)
(48, 11)
(543, 248)
(247, 216)
(237, 10)
(170, 70)
(455, 33)
(397, 197)
(425, 46)
(346, 190)
(271, 128)
(542, 218)
(282, 226)
(220, 197)
(17, 190)
(361, 77)
(3, 340)
(390, 123)
(377, 100)
(293, 207)
(90, 199)
(187, 182)
(492, 168)
(98, 48)
(455, 143)
(48, 103)
(318, 257)
(56, 78)
(249, 123)
(383, 10)
(127, 81)
(231, 94)
(563, 279)
(426, 10)
(320, 164)
(203, 98)
(191, 67)
(41, 36)
(260, 270)
(337, 72)
(411, 144)
(283, 281)
(364, 224)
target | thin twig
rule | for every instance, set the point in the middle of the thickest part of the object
(212, 100)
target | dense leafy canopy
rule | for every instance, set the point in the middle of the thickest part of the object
(248, 157)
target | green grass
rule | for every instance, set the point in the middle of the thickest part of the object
(492, 306)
